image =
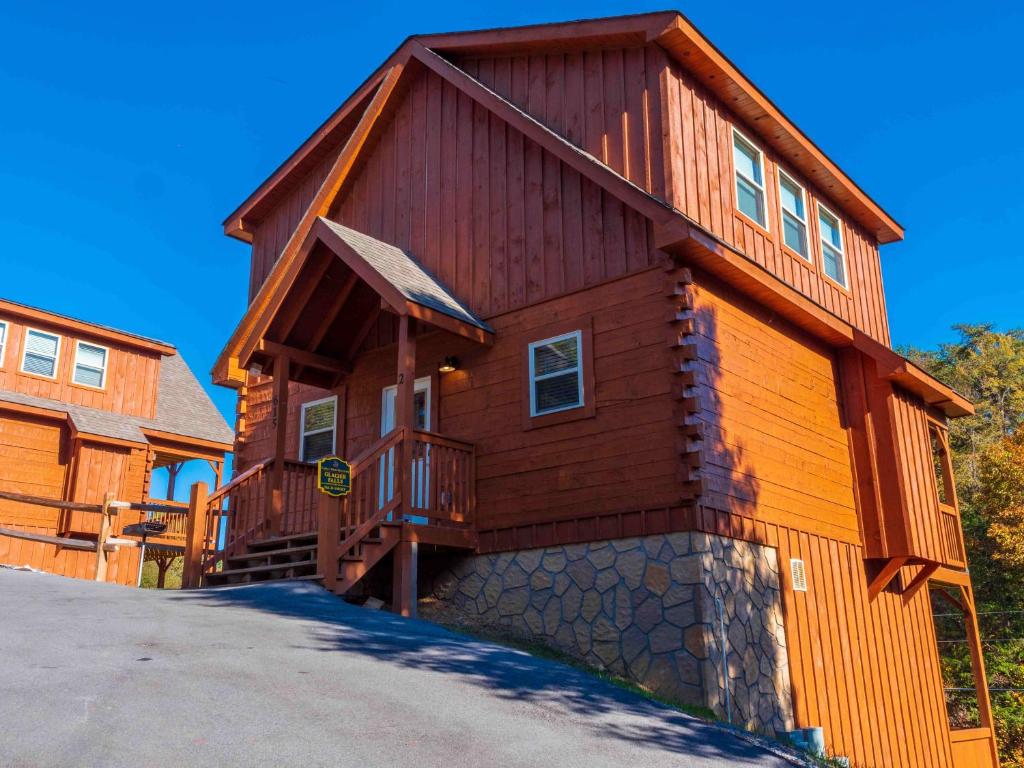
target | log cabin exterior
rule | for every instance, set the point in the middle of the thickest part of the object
(604, 337)
(86, 411)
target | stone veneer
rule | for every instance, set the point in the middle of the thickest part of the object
(645, 608)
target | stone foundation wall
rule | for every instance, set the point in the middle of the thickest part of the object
(645, 609)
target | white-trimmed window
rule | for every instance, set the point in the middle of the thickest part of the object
(793, 201)
(556, 374)
(748, 163)
(319, 419)
(832, 258)
(42, 351)
(90, 365)
(3, 341)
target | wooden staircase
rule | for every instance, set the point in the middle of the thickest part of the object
(350, 535)
(294, 558)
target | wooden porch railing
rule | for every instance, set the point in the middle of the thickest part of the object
(952, 536)
(443, 479)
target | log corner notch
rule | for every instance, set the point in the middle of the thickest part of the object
(684, 366)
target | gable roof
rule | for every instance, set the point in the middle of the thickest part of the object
(183, 408)
(669, 29)
(404, 274)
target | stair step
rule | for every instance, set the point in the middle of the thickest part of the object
(279, 542)
(352, 558)
(260, 554)
(263, 569)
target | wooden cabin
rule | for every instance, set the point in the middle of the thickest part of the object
(88, 411)
(604, 338)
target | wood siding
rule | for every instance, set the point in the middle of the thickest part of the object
(39, 459)
(866, 671)
(775, 446)
(620, 460)
(131, 380)
(702, 185)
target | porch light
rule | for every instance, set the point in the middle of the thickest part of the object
(448, 365)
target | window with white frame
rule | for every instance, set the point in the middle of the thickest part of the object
(90, 365)
(748, 163)
(832, 258)
(318, 428)
(3, 341)
(556, 374)
(793, 201)
(41, 353)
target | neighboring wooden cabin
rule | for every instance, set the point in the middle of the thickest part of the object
(607, 331)
(85, 411)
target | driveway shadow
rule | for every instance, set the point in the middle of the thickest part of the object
(606, 710)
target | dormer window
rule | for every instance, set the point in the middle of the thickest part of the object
(41, 353)
(748, 164)
(90, 365)
(832, 258)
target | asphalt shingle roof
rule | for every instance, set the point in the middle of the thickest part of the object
(405, 273)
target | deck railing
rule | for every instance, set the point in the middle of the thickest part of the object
(443, 479)
(952, 536)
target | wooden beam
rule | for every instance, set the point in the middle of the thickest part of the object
(292, 310)
(332, 312)
(405, 409)
(919, 581)
(302, 357)
(403, 580)
(195, 535)
(363, 332)
(885, 577)
(328, 539)
(319, 206)
(279, 417)
(102, 555)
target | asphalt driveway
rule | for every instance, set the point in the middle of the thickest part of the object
(288, 675)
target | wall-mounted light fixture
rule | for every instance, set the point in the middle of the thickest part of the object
(449, 364)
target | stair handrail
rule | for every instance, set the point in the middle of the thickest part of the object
(329, 551)
(238, 480)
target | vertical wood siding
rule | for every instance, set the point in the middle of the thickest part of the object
(131, 381)
(702, 185)
(36, 458)
(868, 672)
(497, 219)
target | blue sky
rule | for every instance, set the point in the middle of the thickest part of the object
(129, 131)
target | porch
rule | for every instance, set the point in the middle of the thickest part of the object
(410, 487)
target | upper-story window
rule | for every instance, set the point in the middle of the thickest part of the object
(318, 429)
(41, 353)
(749, 167)
(3, 341)
(832, 257)
(90, 365)
(556, 374)
(793, 201)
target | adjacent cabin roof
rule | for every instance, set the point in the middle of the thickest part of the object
(405, 274)
(183, 409)
(668, 29)
(84, 327)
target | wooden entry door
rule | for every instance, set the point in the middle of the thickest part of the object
(420, 467)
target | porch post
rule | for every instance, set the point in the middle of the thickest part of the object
(403, 582)
(279, 409)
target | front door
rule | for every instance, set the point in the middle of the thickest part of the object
(421, 466)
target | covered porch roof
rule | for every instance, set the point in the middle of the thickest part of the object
(330, 300)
